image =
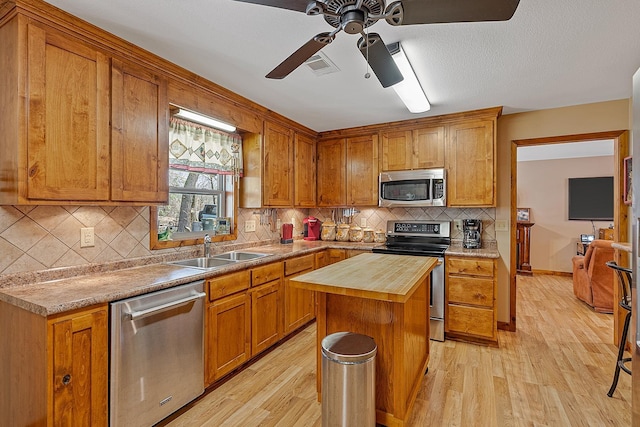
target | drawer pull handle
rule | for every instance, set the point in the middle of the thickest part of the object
(66, 379)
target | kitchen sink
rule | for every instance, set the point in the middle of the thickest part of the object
(239, 256)
(220, 260)
(205, 263)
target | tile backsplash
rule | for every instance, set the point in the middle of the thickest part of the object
(36, 238)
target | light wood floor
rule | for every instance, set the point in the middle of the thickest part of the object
(554, 371)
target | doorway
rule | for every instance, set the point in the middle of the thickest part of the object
(620, 210)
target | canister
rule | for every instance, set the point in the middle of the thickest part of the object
(342, 234)
(355, 233)
(379, 236)
(328, 231)
(368, 235)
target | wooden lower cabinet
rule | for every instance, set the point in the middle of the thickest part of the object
(470, 292)
(267, 320)
(266, 316)
(55, 369)
(299, 304)
(228, 335)
(79, 348)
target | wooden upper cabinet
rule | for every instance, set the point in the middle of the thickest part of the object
(397, 150)
(140, 135)
(471, 164)
(413, 149)
(362, 171)
(348, 171)
(305, 171)
(277, 185)
(84, 127)
(331, 175)
(68, 118)
(428, 148)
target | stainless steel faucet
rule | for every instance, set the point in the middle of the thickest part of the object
(207, 246)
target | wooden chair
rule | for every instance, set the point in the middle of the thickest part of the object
(624, 283)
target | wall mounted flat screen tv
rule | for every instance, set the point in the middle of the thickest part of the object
(591, 199)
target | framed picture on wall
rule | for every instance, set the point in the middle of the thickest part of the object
(627, 181)
(523, 214)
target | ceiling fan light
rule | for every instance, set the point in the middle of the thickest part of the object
(204, 120)
(409, 89)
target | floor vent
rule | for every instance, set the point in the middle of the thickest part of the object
(320, 64)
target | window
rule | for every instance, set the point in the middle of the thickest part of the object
(204, 164)
(196, 204)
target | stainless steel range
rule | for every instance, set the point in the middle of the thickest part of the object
(423, 238)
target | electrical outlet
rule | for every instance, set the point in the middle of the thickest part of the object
(363, 222)
(502, 225)
(250, 225)
(87, 237)
(458, 224)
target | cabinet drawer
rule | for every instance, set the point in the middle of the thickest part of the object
(471, 290)
(296, 265)
(470, 266)
(227, 285)
(471, 321)
(267, 273)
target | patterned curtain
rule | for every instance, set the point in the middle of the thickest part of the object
(197, 148)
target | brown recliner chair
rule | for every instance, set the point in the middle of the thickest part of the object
(592, 279)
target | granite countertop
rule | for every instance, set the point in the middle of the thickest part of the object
(91, 285)
(489, 250)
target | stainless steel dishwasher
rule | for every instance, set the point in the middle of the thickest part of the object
(157, 354)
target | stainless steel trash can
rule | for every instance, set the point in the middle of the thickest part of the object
(348, 380)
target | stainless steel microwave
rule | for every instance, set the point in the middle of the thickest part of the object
(425, 187)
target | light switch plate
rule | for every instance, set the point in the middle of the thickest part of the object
(363, 222)
(250, 225)
(87, 237)
(502, 225)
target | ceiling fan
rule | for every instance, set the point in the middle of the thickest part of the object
(354, 16)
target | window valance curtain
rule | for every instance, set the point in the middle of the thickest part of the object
(199, 148)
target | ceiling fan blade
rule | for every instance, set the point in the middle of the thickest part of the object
(409, 12)
(298, 57)
(297, 5)
(380, 60)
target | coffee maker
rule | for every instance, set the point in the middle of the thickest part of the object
(311, 228)
(472, 230)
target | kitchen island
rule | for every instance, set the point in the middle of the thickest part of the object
(387, 298)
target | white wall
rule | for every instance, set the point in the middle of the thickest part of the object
(542, 187)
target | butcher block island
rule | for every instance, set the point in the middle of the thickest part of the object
(387, 298)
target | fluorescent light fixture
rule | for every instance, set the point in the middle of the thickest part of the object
(409, 89)
(204, 120)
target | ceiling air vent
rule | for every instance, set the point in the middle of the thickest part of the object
(320, 64)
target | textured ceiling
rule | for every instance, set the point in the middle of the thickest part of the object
(550, 54)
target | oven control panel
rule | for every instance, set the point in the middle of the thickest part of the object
(416, 228)
(419, 228)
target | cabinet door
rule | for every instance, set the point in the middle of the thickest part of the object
(79, 352)
(362, 171)
(277, 182)
(336, 255)
(68, 118)
(266, 316)
(299, 304)
(397, 151)
(140, 138)
(428, 148)
(471, 163)
(305, 171)
(228, 335)
(331, 172)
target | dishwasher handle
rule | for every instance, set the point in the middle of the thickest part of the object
(139, 314)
